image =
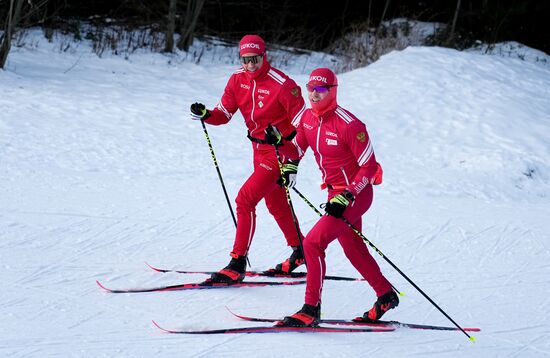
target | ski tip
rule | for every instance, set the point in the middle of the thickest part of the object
(229, 309)
(101, 285)
(152, 267)
(233, 313)
(159, 327)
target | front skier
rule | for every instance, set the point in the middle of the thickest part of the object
(345, 156)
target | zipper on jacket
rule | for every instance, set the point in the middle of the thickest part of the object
(347, 182)
(253, 108)
(318, 151)
(345, 176)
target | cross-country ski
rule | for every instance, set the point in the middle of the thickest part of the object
(275, 329)
(266, 273)
(359, 321)
(198, 286)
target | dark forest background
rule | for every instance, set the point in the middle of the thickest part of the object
(307, 24)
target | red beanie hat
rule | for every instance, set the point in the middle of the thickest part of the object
(252, 44)
(322, 77)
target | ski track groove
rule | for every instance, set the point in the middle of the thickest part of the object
(435, 236)
(170, 225)
(208, 351)
(425, 240)
(521, 346)
(529, 346)
(488, 255)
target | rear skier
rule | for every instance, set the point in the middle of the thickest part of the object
(264, 95)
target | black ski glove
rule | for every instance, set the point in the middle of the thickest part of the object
(289, 171)
(339, 203)
(199, 111)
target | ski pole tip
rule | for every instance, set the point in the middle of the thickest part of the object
(472, 338)
(402, 294)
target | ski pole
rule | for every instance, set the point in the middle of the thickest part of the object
(472, 338)
(289, 200)
(220, 176)
(218, 170)
(356, 231)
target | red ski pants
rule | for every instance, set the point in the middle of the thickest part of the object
(262, 184)
(329, 228)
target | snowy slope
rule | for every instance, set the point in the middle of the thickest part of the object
(101, 170)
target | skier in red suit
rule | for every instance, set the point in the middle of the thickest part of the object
(345, 156)
(264, 95)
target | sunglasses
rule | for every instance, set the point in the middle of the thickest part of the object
(318, 89)
(253, 59)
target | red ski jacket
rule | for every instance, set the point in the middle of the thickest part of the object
(342, 149)
(271, 97)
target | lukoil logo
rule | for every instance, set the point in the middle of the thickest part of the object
(318, 78)
(250, 45)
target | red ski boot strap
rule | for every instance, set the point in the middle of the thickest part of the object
(234, 275)
(285, 266)
(307, 319)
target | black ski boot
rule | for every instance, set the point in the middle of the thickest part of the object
(382, 305)
(308, 316)
(232, 273)
(290, 264)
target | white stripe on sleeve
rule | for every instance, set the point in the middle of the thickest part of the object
(365, 156)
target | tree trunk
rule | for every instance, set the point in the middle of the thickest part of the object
(194, 8)
(453, 25)
(12, 20)
(485, 6)
(376, 51)
(169, 46)
(47, 19)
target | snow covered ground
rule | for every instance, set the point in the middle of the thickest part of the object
(101, 170)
